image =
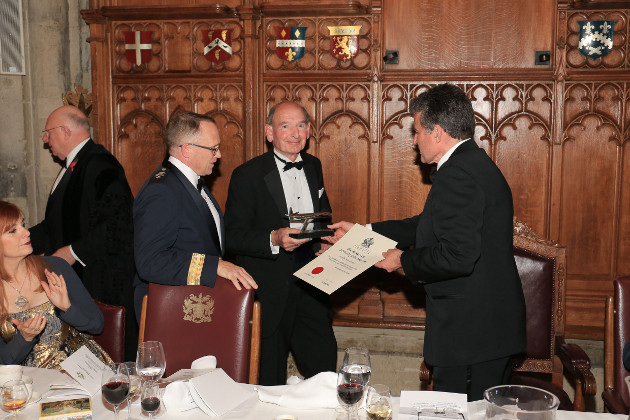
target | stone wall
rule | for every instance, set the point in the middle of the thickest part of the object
(57, 57)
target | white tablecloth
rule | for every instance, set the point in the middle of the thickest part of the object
(252, 409)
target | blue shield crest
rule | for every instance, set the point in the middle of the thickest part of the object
(596, 37)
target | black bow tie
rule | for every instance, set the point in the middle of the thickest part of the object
(200, 184)
(289, 165)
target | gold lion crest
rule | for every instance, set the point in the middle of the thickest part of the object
(198, 309)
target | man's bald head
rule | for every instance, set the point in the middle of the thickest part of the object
(65, 128)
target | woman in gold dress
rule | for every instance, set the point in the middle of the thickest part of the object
(45, 310)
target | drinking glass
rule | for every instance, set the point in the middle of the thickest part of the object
(14, 397)
(150, 397)
(134, 386)
(378, 404)
(358, 356)
(115, 384)
(351, 382)
(150, 362)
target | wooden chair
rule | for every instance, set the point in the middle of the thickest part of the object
(112, 339)
(541, 266)
(617, 333)
(195, 321)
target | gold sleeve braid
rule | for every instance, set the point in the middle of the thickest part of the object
(194, 271)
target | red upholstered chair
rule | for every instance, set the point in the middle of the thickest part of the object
(541, 266)
(195, 321)
(617, 333)
(112, 339)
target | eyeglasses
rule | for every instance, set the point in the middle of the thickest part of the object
(214, 149)
(47, 132)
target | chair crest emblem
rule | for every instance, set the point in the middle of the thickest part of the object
(198, 309)
(596, 37)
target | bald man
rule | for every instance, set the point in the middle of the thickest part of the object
(88, 220)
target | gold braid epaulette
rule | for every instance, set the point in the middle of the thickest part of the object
(194, 271)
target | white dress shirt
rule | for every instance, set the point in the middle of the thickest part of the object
(194, 179)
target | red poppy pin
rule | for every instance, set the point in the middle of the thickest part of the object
(72, 165)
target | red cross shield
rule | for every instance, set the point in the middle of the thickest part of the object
(217, 44)
(138, 46)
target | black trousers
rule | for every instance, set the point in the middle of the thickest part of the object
(473, 379)
(306, 331)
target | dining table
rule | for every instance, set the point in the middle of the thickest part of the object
(251, 409)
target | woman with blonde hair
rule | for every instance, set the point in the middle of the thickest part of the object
(45, 310)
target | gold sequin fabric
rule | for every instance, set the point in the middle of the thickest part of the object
(57, 341)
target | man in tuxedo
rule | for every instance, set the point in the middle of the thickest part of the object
(462, 250)
(296, 317)
(88, 219)
(179, 236)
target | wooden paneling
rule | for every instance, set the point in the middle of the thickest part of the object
(467, 35)
(558, 132)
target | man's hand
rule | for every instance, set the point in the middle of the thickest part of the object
(282, 239)
(65, 253)
(341, 228)
(325, 246)
(236, 275)
(391, 261)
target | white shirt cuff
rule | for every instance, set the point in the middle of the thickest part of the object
(75, 257)
(275, 249)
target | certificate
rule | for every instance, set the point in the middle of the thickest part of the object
(359, 249)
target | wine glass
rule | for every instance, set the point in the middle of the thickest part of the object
(150, 362)
(378, 404)
(358, 356)
(351, 382)
(134, 386)
(115, 384)
(150, 397)
(14, 397)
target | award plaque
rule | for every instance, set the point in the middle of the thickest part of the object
(306, 219)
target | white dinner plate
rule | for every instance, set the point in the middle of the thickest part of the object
(35, 397)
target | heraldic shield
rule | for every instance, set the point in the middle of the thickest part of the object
(138, 46)
(344, 42)
(217, 44)
(596, 37)
(291, 42)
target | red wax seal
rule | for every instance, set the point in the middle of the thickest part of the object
(317, 270)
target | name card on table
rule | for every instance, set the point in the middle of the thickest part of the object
(217, 393)
(85, 368)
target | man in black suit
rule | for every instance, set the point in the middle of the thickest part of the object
(462, 251)
(296, 317)
(179, 232)
(88, 220)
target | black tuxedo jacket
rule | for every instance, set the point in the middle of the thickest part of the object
(175, 235)
(91, 209)
(464, 258)
(255, 206)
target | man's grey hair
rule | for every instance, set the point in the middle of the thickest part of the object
(448, 106)
(182, 126)
(272, 112)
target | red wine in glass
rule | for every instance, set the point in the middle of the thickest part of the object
(150, 404)
(350, 393)
(115, 392)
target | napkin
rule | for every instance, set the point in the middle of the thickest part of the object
(205, 362)
(319, 391)
(177, 397)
